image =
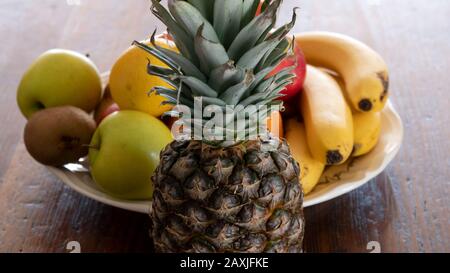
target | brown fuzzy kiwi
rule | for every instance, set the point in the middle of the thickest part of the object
(59, 135)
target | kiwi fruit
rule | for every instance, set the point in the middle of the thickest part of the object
(59, 135)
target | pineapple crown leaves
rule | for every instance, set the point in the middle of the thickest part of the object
(226, 52)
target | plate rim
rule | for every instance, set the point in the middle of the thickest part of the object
(391, 111)
(99, 196)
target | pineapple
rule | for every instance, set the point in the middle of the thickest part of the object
(225, 195)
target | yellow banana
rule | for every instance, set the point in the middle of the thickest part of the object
(310, 168)
(327, 117)
(367, 129)
(366, 126)
(363, 70)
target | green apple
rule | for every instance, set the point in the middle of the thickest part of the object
(58, 78)
(124, 153)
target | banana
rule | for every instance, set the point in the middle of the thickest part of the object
(310, 168)
(367, 129)
(327, 117)
(366, 125)
(363, 70)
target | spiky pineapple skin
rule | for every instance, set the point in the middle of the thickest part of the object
(223, 200)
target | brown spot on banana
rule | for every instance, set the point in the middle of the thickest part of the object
(334, 157)
(365, 105)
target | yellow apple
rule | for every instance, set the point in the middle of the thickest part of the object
(59, 78)
(124, 153)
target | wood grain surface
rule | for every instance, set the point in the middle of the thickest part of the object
(405, 209)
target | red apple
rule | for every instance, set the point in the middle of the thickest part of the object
(108, 110)
(297, 59)
(106, 107)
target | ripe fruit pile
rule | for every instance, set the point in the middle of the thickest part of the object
(337, 115)
(329, 122)
(212, 196)
(69, 118)
(339, 107)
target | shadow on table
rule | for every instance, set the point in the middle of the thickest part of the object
(350, 222)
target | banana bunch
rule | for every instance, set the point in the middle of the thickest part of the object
(345, 89)
(363, 71)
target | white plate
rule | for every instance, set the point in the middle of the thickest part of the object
(335, 181)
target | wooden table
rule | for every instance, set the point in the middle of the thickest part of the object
(406, 209)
